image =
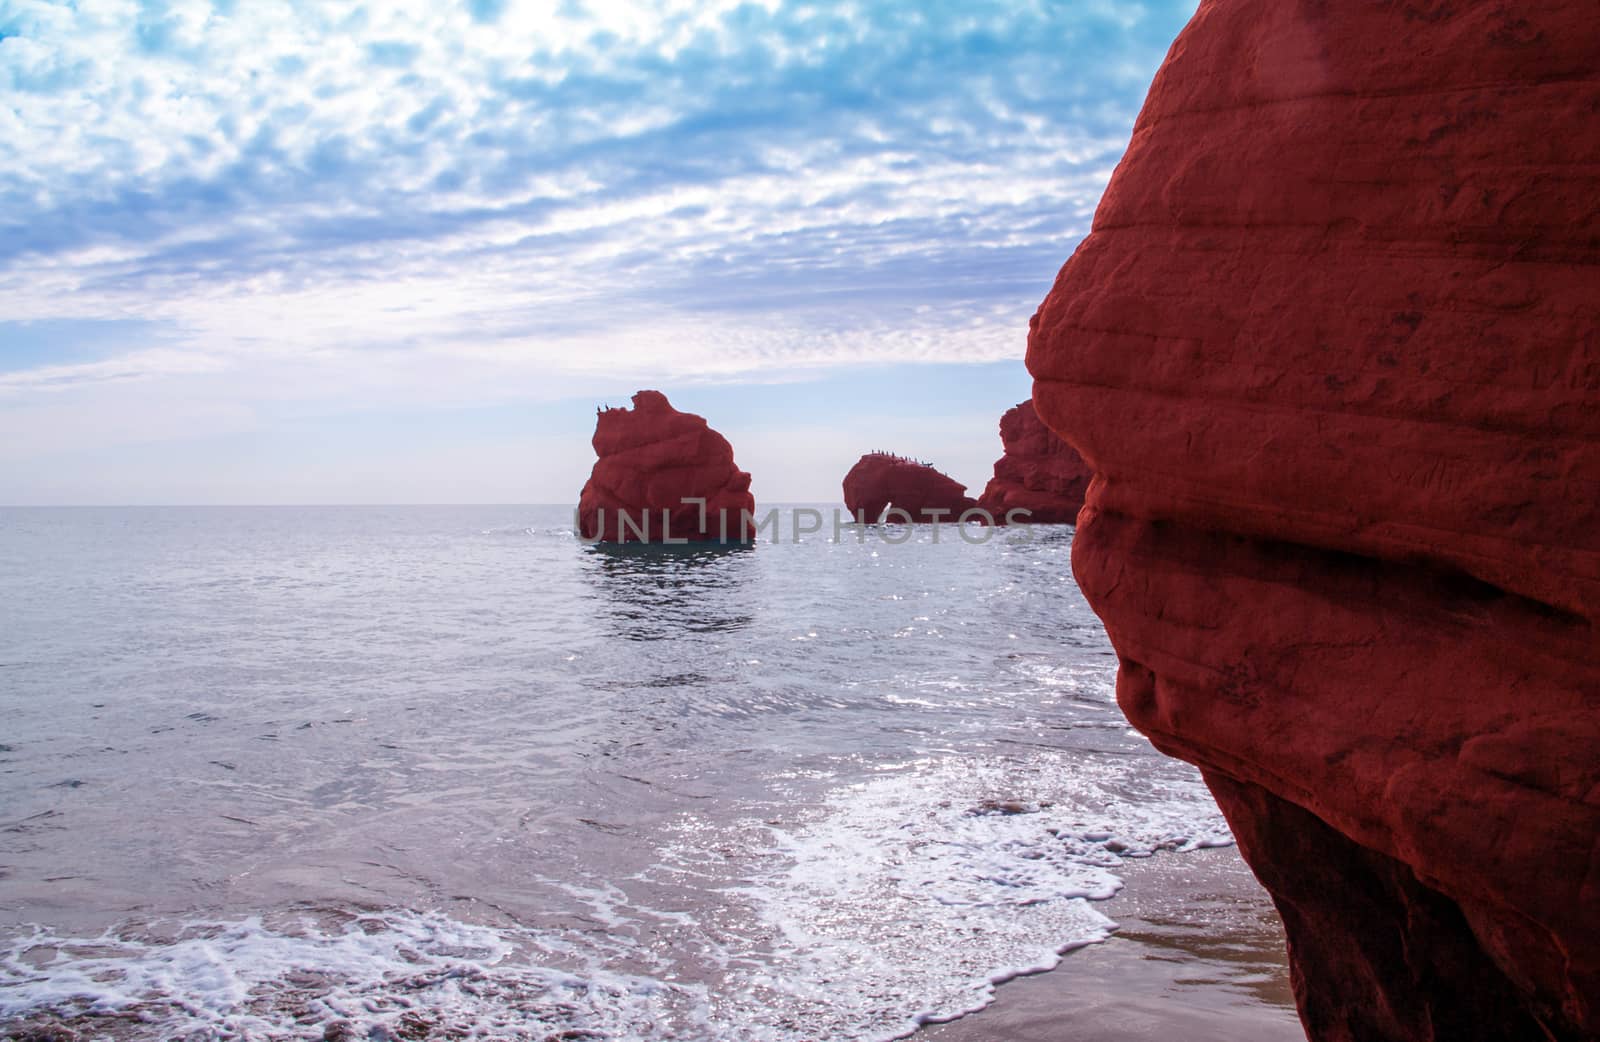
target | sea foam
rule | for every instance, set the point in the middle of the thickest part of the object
(891, 902)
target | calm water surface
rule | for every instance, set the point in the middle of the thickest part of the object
(447, 772)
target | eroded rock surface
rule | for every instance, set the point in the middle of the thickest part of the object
(880, 481)
(1333, 352)
(1040, 479)
(663, 476)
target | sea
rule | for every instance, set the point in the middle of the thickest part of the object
(449, 772)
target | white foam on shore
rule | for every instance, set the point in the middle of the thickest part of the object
(893, 902)
(905, 899)
(384, 974)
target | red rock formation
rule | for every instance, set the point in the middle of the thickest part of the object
(1040, 479)
(1333, 351)
(656, 465)
(881, 481)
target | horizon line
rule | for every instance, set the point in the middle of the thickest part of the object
(324, 506)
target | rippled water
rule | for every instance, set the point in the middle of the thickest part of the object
(446, 772)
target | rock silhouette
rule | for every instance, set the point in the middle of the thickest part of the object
(1333, 349)
(663, 476)
(1040, 479)
(880, 481)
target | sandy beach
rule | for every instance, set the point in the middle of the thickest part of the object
(1199, 957)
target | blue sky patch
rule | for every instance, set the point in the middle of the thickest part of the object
(418, 208)
(57, 342)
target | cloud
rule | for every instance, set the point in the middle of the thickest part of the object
(136, 365)
(505, 196)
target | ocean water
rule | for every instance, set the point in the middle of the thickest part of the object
(405, 773)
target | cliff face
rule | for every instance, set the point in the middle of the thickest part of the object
(1333, 352)
(655, 465)
(1040, 476)
(879, 481)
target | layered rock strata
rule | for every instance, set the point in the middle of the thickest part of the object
(663, 476)
(1333, 352)
(1040, 479)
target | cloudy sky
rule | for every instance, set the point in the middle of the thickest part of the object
(328, 251)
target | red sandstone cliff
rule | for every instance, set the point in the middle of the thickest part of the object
(880, 481)
(655, 465)
(1040, 477)
(1333, 351)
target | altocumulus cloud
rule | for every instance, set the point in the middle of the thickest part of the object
(419, 201)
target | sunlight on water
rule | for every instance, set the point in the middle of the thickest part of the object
(444, 772)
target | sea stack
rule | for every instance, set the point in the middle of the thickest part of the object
(1040, 479)
(915, 491)
(1333, 348)
(663, 476)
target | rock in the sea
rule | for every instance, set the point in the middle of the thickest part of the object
(1040, 479)
(913, 491)
(663, 476)
(1333, 349)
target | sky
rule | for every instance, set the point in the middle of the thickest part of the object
(342, 252)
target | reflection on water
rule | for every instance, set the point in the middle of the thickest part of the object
(702, 792)
(655, 592)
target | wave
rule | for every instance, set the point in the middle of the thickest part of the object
(890, 903)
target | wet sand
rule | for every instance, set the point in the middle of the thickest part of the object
(1199, 957)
